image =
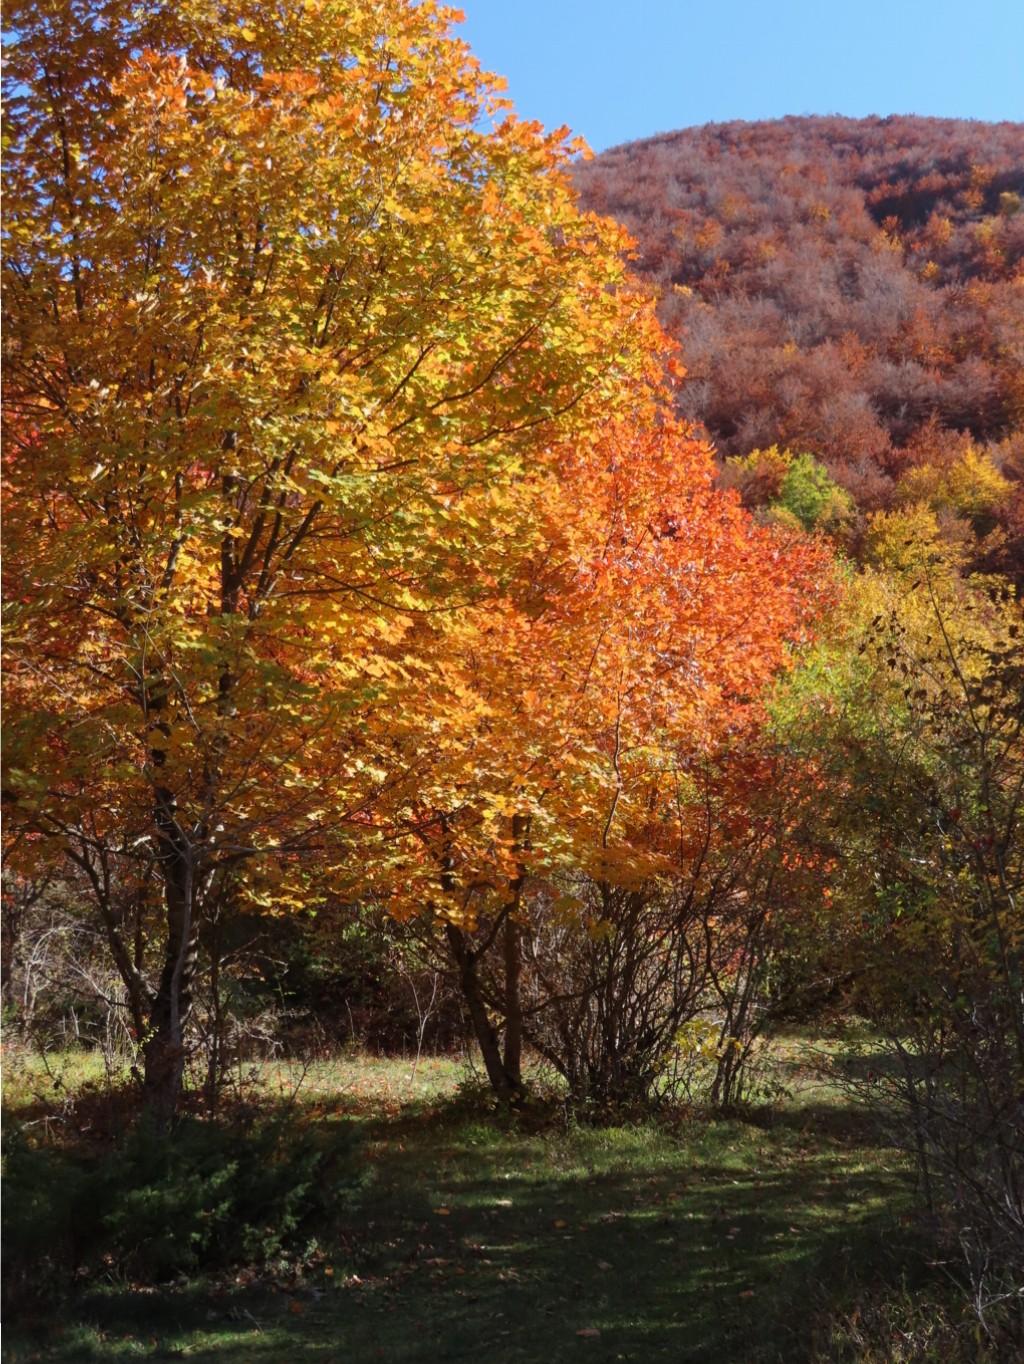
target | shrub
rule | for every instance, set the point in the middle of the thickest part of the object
(810, 494)
(202, 1196)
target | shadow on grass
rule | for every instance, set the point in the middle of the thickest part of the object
(711, 1242)
(850, 1124)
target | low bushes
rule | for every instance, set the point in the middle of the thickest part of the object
(150, 1206)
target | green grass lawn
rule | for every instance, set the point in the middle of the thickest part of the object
(472, 1234)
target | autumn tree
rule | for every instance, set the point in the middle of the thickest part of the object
(941, 836)
(296, 314)
(639, 636)
(914, 710)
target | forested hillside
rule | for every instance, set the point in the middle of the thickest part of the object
(852, 289)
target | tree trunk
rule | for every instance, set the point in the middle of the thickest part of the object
(506, 1086)
(164, 1048)
(215, 1046)
(513, 1063)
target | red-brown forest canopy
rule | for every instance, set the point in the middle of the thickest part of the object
(849, 288)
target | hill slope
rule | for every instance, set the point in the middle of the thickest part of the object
(850, 288)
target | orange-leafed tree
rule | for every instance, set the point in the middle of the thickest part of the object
(638, 639)
(297, 319)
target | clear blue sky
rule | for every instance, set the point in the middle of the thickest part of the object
(615, 70)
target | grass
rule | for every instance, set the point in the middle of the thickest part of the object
(534, 1239)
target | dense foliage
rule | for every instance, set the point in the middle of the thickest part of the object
(276, 422)
(323, 575)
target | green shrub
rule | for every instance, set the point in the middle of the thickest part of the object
(810, 494)
(203, 1196)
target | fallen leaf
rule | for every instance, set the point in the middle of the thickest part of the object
(589, 1333)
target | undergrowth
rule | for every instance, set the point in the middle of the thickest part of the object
(383, 1211)
(148, 1206)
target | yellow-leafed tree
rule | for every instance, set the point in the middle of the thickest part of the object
(295, 315)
